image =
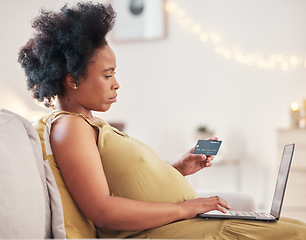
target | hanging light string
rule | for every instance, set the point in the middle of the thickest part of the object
(271, 61)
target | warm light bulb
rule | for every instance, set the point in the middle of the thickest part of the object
(196, 28)
(204, 37)
(227, 53)
(294, 60)
(285, 66)
(170, 7)
(215, 38)
(294, 106)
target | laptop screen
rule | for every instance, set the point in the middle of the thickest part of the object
(282, 180)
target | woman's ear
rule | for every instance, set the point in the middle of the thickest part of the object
(71, 82)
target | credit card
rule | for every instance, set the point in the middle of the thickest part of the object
(207, 147)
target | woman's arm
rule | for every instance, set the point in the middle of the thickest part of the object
(74, 144)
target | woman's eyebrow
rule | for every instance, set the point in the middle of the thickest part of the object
(109, 69)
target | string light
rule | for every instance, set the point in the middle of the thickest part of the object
(272, 61)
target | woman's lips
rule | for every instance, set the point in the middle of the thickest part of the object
(113, 99)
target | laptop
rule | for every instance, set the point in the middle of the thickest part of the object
(278, 198)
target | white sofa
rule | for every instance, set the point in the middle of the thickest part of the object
(24, 200)
(24, 197)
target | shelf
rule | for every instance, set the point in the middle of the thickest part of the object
(295, 197)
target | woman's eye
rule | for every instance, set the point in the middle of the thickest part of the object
(109, 76)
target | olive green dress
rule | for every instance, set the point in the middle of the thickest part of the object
(134, 171)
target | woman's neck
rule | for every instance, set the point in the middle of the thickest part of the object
(63, 104)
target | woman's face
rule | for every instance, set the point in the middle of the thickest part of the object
(97, 90)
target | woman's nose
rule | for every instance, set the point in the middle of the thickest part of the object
(116, 84)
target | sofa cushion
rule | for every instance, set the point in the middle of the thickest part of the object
(24, 201)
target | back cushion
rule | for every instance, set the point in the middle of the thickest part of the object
(25, 209)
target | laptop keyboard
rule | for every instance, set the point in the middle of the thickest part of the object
(250, 214)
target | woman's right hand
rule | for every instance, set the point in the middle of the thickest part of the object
(193, 207)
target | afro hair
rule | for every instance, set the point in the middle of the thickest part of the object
(64, 44)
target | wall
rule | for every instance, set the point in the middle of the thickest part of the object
(170, 86)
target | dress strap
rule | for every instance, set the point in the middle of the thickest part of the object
(58, 113)
(99, 124)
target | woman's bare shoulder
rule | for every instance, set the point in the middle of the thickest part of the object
(71, 126)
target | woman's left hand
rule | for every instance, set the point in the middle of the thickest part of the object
(190, 163)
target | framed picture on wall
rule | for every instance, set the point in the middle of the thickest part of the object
(139, 20)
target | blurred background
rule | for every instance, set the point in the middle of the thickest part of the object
(233, 67)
